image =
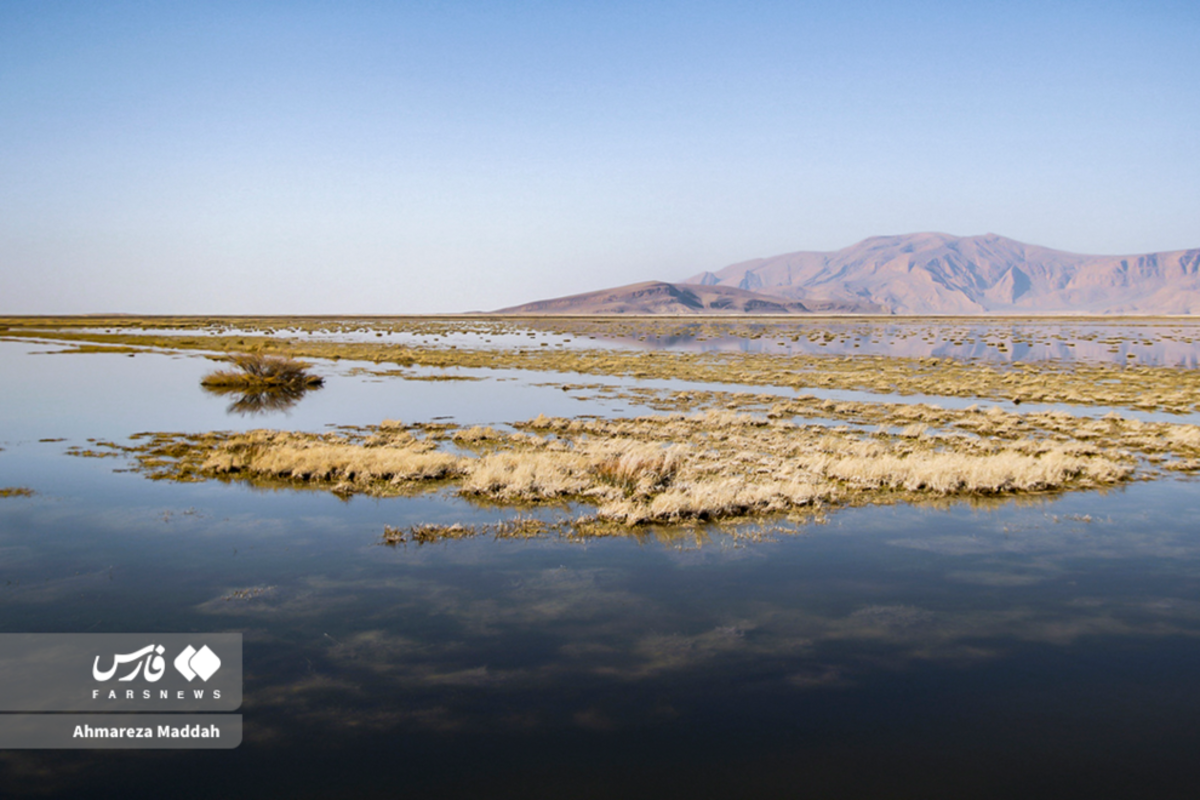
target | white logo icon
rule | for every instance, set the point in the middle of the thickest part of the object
(193, 663)
(149, 657)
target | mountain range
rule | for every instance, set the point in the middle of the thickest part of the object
(657, 297)
(920, 273)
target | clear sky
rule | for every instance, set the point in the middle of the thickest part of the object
(411, 157)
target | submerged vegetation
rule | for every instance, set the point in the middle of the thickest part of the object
(16, 491)
(427, 533)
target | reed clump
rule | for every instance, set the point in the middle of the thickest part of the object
(261, 371)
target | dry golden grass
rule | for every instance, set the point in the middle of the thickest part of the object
(16, 491)
(637, 468)
(716, 498)
(721, 463)
(395, 459)
(528, 476)
(476, 435)
(1169, 388)
(258, 371)
(951, 473)
(660, 468)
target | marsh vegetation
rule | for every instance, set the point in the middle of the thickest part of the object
(262, 383)
(257, 371)
(710, 454)
(594, 520)
(674, 468)
(600, 552)
(993, 374)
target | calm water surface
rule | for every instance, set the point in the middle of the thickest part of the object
(1151, 341)
(1044, 648)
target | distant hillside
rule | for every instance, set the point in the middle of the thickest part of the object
(657, 297)
(935, 273)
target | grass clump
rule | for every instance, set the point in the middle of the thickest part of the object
(262, 383)
(526, 475)
(668, 469)
(258, 371)
(328, 460)
(476, 435)
(638, 469)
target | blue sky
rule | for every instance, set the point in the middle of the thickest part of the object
(358, 157)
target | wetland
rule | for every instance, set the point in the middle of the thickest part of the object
(886, 557)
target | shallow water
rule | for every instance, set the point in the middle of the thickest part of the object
(1035, 648)
(1146, 341)
(161, 392)
(482, 335)
(1170, 342)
